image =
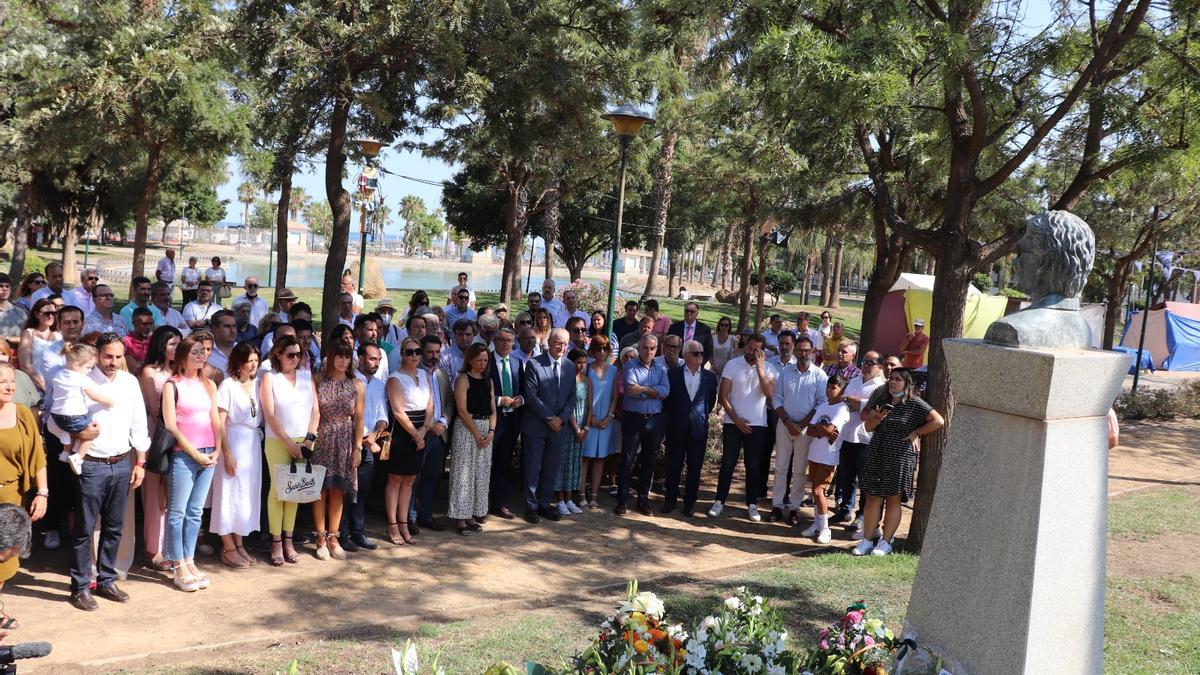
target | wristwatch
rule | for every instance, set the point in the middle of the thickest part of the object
(310, 437)
(43, 493)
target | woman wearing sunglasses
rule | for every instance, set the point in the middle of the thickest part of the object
(723, 345)
(33, 282)
(411, 403)
(39, 334)
(238, 482)
(289, 409)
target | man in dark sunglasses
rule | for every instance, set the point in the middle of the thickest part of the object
(81, 296)
(690, 401)
(691, 328)
(855, 439)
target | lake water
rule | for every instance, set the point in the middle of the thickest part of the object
(396, 274)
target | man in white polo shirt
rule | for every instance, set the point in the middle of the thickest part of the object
(747, 385)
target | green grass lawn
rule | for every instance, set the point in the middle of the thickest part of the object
(1152, 619)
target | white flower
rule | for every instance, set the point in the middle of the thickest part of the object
(647, 603)
(758, 599)
(696, 656)
(710, 622)
(741, 590)
(783, 635)
(620, 664)
(751, 663)
(733, 603)
(776, 669)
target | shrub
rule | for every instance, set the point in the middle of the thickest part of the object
(982, 281)
(1160, 404)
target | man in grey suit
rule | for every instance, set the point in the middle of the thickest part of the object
(549, 391)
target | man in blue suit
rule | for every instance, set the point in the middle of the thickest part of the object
(693, 393)
(549, 391)
(507, 376)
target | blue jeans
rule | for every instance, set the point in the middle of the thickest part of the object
(187, 488)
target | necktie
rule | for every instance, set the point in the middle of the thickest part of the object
(687, 335)
(554, 370)
(505, 378)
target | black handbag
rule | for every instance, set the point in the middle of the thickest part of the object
(162, 443)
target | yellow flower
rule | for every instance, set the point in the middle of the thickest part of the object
(640, 646)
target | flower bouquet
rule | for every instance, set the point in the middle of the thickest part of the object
(857, 644)
(635, 640)
(747, 637)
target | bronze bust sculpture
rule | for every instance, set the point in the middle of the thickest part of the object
(1052, 266)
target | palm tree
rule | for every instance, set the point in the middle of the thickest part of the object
(247, 193)
(297, 201)
(382, 216)
(412, 207)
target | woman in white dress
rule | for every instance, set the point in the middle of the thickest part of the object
(237, 487)
(39, 334)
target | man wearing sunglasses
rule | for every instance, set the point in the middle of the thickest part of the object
(856, 438)
(690, 401)
(103, 319)
(258, 306)
(691, 328)
(140, 298)
(461, 309)
(81, 296)
(507, 380)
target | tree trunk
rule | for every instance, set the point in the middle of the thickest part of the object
(726, 260)
(953, 275)
(551, 221)
(281, 231)
(16, 269)
(805, 281)
(744, 285)
(662, 204)
(826, 259)
(704, 264)
(516, 215)
(762, 282)
(1112, 312)
(574, 266)
(672, 268)
(835, 282)
(339, 203)
(70, 238)
(142, 214)
(891, 256)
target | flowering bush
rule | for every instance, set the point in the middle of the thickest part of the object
(636, 639)
(855, 644)
(747, 637)
(590, 295)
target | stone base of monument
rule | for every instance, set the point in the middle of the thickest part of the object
(1011, 576)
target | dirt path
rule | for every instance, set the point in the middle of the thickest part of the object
(511, 566)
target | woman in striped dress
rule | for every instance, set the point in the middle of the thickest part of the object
(569, 481)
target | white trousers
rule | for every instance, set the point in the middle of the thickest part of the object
(789, 450)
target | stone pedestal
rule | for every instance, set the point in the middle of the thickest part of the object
(1011, 576)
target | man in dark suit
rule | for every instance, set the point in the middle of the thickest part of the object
(693, 393)
(549, 391)
(507, 377)
(691, 329)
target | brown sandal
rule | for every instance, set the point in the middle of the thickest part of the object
(277, 560)
(237, 562)
(396, 539)
(292, 557)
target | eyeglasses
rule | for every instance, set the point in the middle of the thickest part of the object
(38, 282)
(525, 322)
(47, 312)
(91, 279)
(251, 285)
(579, 329)
(292, 355)
(869, 362)
(411, 352)
(464, 297)
(690, 311)
(253, 408)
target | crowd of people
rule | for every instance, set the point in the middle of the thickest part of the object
(204, 409)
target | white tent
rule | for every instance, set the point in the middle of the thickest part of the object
(921, 282)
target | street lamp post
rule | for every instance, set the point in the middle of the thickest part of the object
(369, 147)
(626, 121)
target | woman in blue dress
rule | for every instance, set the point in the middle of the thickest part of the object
(600, 440)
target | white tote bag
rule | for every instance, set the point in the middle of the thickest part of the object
(298, 483)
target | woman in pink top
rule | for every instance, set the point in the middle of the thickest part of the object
(189, 412)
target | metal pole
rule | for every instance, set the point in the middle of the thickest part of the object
(271, 261)
(616, 247)
(1137, 365)
(362, 245)
(87, 240)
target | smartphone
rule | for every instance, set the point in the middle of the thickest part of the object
(888, 407)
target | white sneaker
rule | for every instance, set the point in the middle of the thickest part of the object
(882, 548)
(824, 536)
(810, 531)
(752, 512)
(52, 540)
(572, 507)
(562, 509)
(864, 547)
(716, 510)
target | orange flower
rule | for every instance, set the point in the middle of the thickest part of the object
(640, 646)
(657, 634)
(629, 636)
